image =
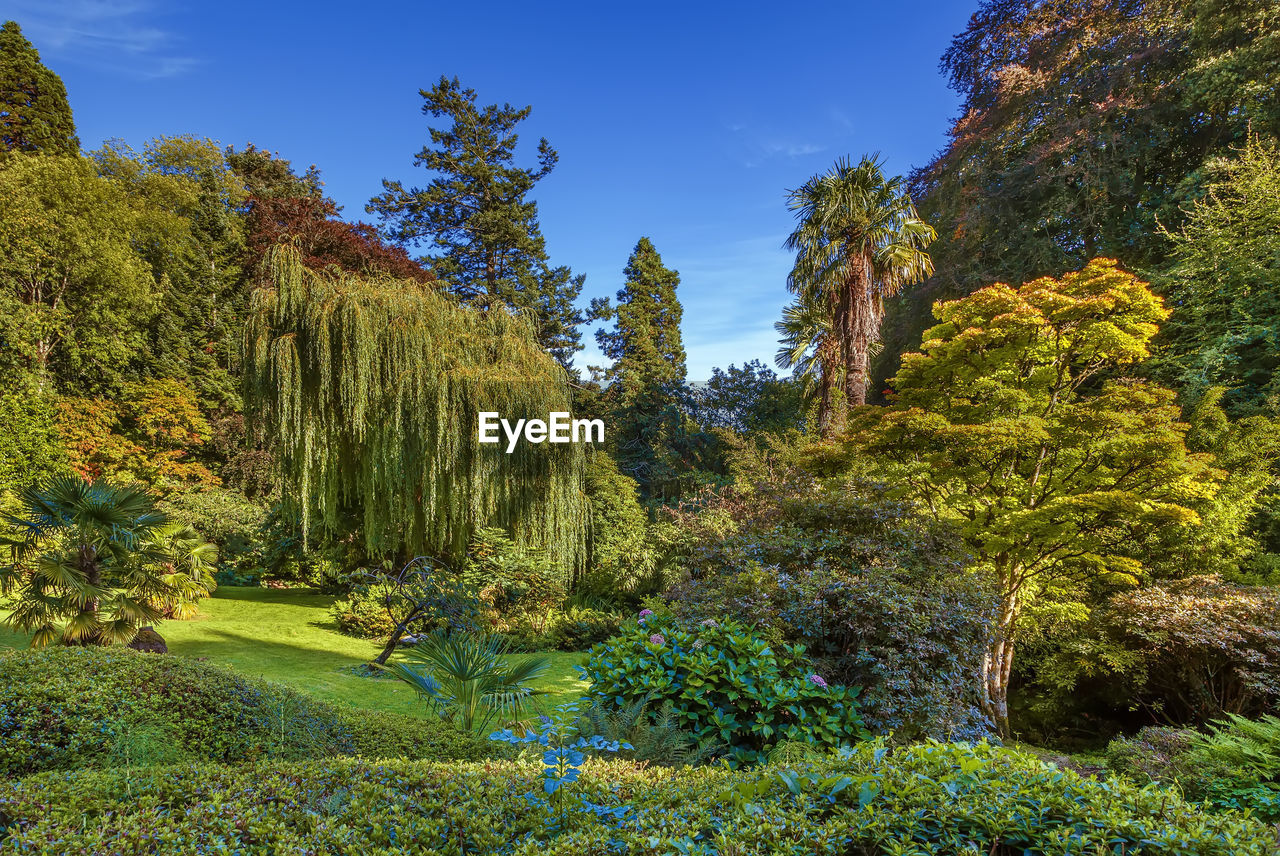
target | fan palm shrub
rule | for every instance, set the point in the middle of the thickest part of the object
(88, 563)
(470, 678)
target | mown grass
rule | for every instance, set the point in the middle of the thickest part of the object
(288, 635)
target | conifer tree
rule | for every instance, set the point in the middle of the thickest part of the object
(647, 378)
(476, 215)
(34, 113)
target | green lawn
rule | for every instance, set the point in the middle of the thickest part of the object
(289, 636)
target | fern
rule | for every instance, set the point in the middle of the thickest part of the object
(1250, 747)
(655, 734)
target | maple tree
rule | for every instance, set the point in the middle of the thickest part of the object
(1014, 424)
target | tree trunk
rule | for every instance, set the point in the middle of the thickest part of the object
(88, 561)
(856, 325)
(997, 663)
(402, 627)
(830, 419)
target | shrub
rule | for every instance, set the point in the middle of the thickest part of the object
(363, 614)
(1184, 652)
(1155, 754)
(910, 801)
(1236, 765)
(651, 734)
(223, 516)
(573, 628)
(98, 559)
(469, 678)
(70, 708)
(1208, 647)
(227, 519)
(729, 687)
(880, 598)
(509, 578)
(619, 561)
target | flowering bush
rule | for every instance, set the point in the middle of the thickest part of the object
(729, 688)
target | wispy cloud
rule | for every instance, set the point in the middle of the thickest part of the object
(760, 152)
(108, 35)
(754, 149)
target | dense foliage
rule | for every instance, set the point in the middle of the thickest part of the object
(34, 114)
(881, 598)
(88, 563)
(1015, 425)
(619, 552)
(911, 800)
(1085, 126)
(1236, 765)
(1183, 652)
(476, 214)
(408, 371)
(731, 689)
(78, 708)
(1223, 282)
(649, 429)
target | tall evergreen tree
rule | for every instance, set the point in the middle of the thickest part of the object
(34, 113)
(647, 378)
(475, 213)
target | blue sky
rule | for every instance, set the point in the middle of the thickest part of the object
(685, 122)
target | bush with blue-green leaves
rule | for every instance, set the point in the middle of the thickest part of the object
(729, 687)
(877, 801)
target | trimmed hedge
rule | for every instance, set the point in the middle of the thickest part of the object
(909, 801)
(70, 708)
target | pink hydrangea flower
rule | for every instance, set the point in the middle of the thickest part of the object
(645, 613)
(817, 681)
(657, 639)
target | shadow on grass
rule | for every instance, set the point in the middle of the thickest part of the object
(306, 598)
(222, 643)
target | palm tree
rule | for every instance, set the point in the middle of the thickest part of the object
(91, 556)
(470, 677)
(812, 355)
(858, 241)
(186, 563)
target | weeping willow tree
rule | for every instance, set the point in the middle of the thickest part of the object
(371, 390)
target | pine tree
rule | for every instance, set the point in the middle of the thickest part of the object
(34, 113)
(475, 213)
(647, 378)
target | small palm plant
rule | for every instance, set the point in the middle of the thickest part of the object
(470, 678)
(186, 564)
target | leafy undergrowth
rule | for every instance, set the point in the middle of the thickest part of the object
(923, 799)
(69, 708)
